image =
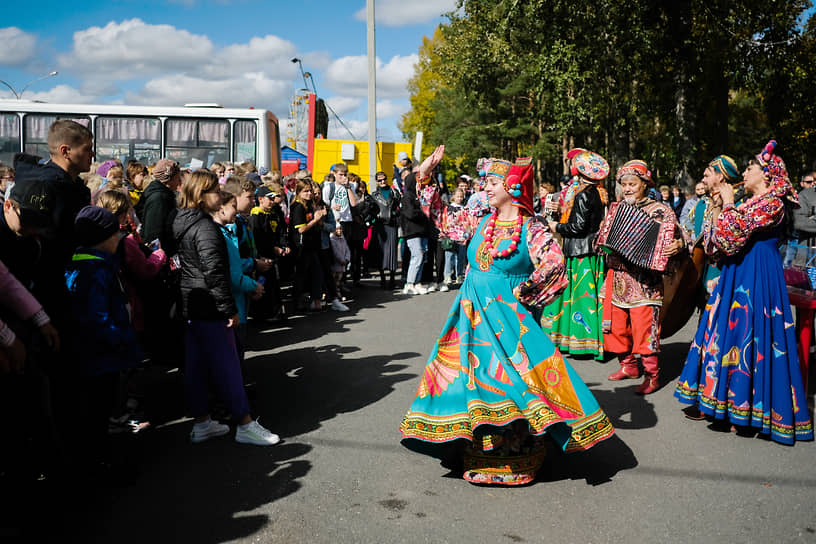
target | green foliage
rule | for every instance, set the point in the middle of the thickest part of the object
(673, 83)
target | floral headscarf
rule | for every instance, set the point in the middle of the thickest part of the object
(636, 168)
(776, 173)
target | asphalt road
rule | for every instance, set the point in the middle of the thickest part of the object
(335, 387)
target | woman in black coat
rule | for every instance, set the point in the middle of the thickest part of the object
(210, 315)
(385, 226)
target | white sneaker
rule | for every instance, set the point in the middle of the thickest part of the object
(419, 289)
(408, 289)
(338, 306)
(205, 431)
(443, 288)
(431, 288)
(253, 433)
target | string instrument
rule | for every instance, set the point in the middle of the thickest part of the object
(682, 290)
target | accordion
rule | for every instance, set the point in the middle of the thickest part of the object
(635, 237)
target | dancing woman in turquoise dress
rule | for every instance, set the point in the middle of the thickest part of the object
(743, 365)
(495, 392)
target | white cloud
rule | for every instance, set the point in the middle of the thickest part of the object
(388, 108)
(400, 13)
(180, 67)
(349, 76)
(239, 91)
(133, 49)
(270, 53)
(343, 105)
(357, 127)
(18, 46)
(315, 60)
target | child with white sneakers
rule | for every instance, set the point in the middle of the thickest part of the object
(210, 314)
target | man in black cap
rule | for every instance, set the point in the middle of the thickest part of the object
(26, 218)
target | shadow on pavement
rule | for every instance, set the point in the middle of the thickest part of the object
(206, 493)
(597, 465)
(198, 493)
(626, 410)
(306, 386)
(672, 359)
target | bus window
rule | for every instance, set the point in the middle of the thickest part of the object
(204, 139)
(244, 137)
(274, 144)
(35, 131)
(128, 138)
(9, 136)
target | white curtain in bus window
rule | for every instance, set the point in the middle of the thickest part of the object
(35, 131)
(244, 137)
(9, 136)
(204, 139)
(128, 138)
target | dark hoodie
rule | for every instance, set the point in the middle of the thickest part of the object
(205, 277)
(71, 195)
(158, 209)
(413, 220)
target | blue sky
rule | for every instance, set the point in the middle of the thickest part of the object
(234, 52)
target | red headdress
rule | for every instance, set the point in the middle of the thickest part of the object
(519, 183)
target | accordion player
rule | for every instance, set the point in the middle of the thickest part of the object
(640, 236)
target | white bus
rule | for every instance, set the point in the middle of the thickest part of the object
(198, 132)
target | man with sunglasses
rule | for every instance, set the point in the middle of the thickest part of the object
(804, 217)
(385, 227)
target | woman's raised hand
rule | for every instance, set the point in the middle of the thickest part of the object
(431, 161)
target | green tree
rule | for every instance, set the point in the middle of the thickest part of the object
(673, 83)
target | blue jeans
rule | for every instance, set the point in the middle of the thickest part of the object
(418, 247)
(455, 260)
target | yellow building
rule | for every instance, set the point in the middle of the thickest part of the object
(355, 154)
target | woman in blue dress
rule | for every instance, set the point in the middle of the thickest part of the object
(495, 392)
(743, 364)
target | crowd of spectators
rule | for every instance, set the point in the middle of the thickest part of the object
(108, 267)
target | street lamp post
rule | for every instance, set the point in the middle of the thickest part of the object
(19, 95)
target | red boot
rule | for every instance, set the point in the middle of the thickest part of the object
(650, 371)
(628, 369)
